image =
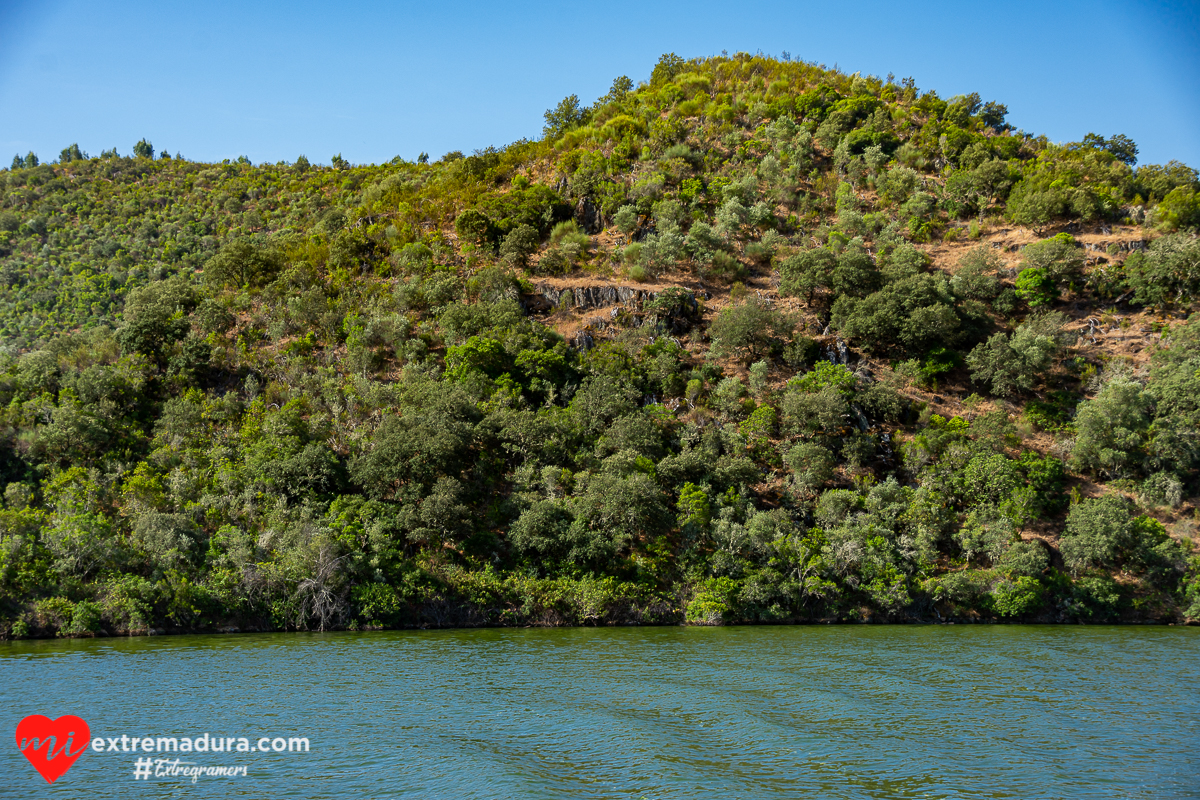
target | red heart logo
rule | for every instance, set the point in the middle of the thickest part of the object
(49, 744)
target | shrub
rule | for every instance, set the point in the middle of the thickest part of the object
(713, 601)
(1013, 364)
(750, 330)
(1016, 598)
(626, 219)
(86, 618)
(1036, 287)
(519, 244)
(1168, 273)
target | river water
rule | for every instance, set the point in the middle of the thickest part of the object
(740, 712)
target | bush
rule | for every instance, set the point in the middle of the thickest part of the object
(626, 220)
(1102, 533)
(1097, 597)
(243, 262)
(519, 244)
(713, 601)
(750, 330)
(1168, 273)
(86, 619)
(1013, 364)
(1036, 287)
(1113, 428)
(975, 279)
(1028, 559)
(1016, 598)
(965, 590)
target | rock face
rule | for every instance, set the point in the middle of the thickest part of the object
(588, 215)
(629, 307)
(598, 296)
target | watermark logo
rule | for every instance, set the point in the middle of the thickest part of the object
(52, 745)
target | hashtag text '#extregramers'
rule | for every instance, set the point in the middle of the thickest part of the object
(169, 768)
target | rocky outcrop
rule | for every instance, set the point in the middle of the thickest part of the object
(584, 297)
(588, 215)
(671, 311)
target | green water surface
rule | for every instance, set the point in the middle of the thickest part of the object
(750, 712)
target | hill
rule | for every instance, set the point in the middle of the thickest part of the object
(754, 340)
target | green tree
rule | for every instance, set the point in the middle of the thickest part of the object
(1168, 273)
(143, 149)
(71, 153)
(750, 329)
(156, 317)
(806, 272)
(1102, 532)
(520, 243)
(1013, 364)
(1112, 429)
(244, 261)
(621, 87)
(566, 115)
(669, 65)
(1036, 287)
(975, 279)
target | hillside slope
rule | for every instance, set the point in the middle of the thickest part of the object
(752, 341)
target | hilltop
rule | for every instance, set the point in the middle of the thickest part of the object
(754, 340)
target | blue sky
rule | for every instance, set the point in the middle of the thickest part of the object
(374, 80)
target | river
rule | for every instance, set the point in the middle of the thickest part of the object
(741, 712)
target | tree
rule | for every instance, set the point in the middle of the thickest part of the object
(521, 242)
(612, 512)
(620, 90)
(1013, 364)
(986, 532)
(669, 65)
(1112, 429)
(1060, 257)
(626, 219)
(975, 279)
(544, 531)
(1180, 209)
(429, 438)
(71, 153)
(244, 261)
(811, 466)
(855, 274)
(1120, 146)
(806, 272)
(1101, 532)
(143, 149)
(750, 329)
(156, 318)
(993, 115)
(566, 115)
(913, 314)
(339, 163)
(1168, 273)
(1036, 288)
(474, 226)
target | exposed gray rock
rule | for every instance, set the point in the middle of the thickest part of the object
(588, 215)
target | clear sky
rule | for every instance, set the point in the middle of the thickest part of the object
(373, 80)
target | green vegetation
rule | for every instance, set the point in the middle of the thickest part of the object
(295, 396)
